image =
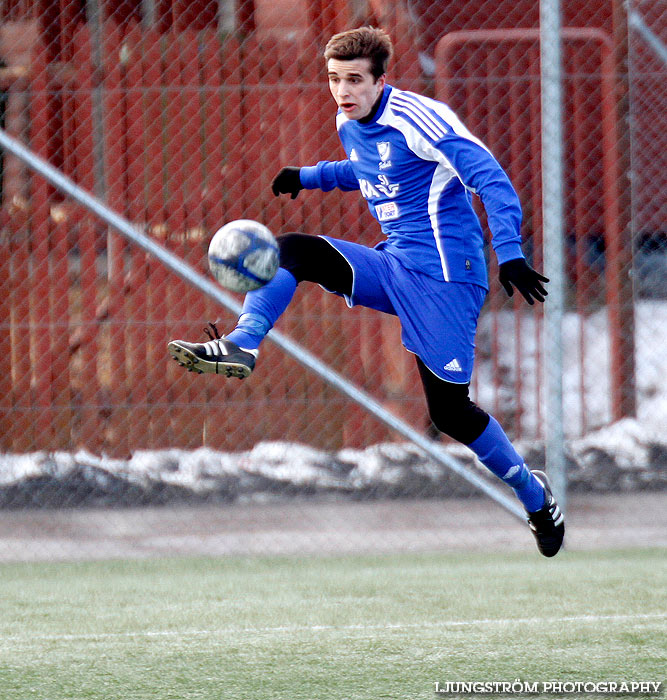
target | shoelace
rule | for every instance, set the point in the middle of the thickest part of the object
(212, 331)
(212, 346)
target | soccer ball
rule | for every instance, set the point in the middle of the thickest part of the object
(243, 255)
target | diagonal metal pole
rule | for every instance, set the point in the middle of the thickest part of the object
(636, 21)
(214, 292)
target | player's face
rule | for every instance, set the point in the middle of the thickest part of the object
(353, 86)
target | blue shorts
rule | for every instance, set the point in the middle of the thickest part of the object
(438, 318)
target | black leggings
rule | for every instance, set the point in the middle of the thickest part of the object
(313, 259)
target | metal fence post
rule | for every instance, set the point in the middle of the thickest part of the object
(552, 211)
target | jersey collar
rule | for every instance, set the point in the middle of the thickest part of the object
(381, 107)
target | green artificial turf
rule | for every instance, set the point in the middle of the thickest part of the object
(344, 628)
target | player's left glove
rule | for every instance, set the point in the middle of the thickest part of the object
(528, 281)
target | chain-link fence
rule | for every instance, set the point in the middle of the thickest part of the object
(178, 115)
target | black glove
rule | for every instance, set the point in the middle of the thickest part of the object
(520, 274)
(287, 181)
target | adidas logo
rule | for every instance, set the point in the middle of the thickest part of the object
(556, 514)
(353, 155)
(453, 366)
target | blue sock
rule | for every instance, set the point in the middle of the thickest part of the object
(496, 453)
(261, 309)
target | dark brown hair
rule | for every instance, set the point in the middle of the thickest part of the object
(364, 42)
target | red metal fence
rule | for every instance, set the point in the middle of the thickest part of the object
(180, 131)
(192, 131)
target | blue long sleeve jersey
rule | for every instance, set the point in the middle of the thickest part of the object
(417, 166)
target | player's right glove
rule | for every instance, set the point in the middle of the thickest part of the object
(519, 273)
(287, 181)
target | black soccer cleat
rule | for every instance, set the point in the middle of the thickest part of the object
(217, 356)
(548, 523)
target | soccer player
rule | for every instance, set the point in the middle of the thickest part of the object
(417, 166)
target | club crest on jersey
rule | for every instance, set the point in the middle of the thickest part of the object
(384, 151)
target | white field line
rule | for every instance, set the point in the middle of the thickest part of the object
(325, 628)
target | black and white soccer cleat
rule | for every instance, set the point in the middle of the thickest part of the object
(217, 356)
(548, 523)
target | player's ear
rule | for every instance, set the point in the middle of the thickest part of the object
(381, 81)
